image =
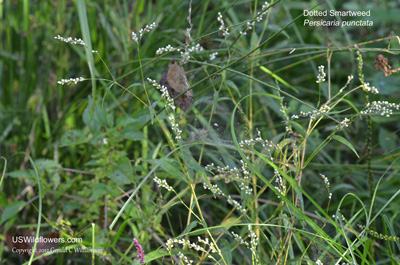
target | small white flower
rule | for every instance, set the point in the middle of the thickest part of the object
(213, 56)
(163, 183)
(169, 102)
(70, 40)
(343, 124)
(70, 81)
(225, 31)
(321, 75)
(384, 108)
(368, 88)
(168, 48)
(261, 14)
(134, 37)
(142, 31)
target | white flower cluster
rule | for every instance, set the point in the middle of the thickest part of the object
(162, 183)
(240, 239)
(175, 127)
(224, 170)
(185, 57)
(253, 242)
(246, 188)
(350, 77)
(235, 174)
(70, 81)
(246, 175)
(326, 180)
(225, 31)
(169, 102)
(249, 26)
(213, 56)
(321, 75)
(142, 31)
(210, 244)
(184, 258)
(341, 216)
(281, 186)
(344, 123)
(70, 40)
(324, 108)
(245, 168)
(196, 48)
(313, 114)
(213, 188)
(318, 262)
(383, 108)
(186, 54)
(146, 29)
(134, 37)
(217, 191)
(259, 18)
(262, 13)
(186, 243)
(368, 88)
(265, 143)
(168, 48)
(236, 204)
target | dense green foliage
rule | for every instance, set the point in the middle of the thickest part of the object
(304, 172)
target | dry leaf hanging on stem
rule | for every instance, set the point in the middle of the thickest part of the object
(175, 80)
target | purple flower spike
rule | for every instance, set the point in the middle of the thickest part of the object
(140, 251)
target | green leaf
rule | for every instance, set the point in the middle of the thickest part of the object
(351, 105)
(387, 84)
(346, 143)
(100, 190)
(279, 79)
(123, 173)
(387, 140)
(70, 206)
(189, 228)
(155, 255)
(172, 167)
(225, 250)
(26, 174)
(132, 134)
(47, 164)
(137, 119)
(74, 137)
(100, 118)
(11, 210)
(134, 84)
(205, 178)
(232, 85)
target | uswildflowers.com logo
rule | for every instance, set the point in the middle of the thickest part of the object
(45, 240)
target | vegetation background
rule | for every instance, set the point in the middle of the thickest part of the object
(95, 146)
